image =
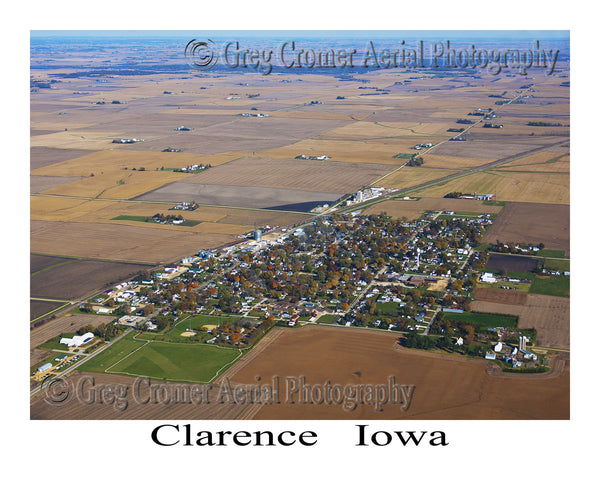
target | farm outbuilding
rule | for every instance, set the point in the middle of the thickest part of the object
(45, 367)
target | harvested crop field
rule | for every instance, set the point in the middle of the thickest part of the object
(532, 223)
(510, 186)
(41, 262)
(308, 175)
(412, 209)
(549, 315)
(44, 156)
(445, 388)
(68, 323)
(39, 183)
(511, 263)
(240, 196)
(125, 243)
(495, 295)
(37, 308)
(74, 279)
(407, 177)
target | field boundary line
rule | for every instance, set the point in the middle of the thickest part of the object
(131, 353)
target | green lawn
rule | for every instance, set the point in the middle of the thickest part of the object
(199, 321)
(112, 354)
(556, 285)
(560, 264)
(177, 362)
(132, 218)
(551, 253)
(328, 318)
(483, 319)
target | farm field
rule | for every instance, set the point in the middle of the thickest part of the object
(74, 279)
(44, 156)
(511, 263)
(494, 295)
(444, 387)
(40, 183)
(412, 209)
(123, 243)
(241, 196)
(488, 320)
(307, 175)
(532, 223)
(549, 315)
(37, 308)
(406, 177)
(509, 186)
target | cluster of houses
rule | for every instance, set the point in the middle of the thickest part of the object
(259, 115)
(128, 140)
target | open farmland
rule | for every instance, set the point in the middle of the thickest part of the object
(240, 196)
(549, 315)
(74, 279)
(412, 209)
(42, 262)
(37, 308)
(43, 156)
(40, 183)
(126, 243)
(532, 223)
(444, 387)
(511, 263)
(309, 175)
(495, 295)
(509, 186)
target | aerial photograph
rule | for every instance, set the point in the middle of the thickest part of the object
(299, 225)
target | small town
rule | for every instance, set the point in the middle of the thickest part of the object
(343, 270)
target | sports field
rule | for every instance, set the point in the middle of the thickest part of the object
(180, 362)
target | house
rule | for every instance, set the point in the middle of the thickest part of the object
(498, 347)
(459, 341)
(490, 356)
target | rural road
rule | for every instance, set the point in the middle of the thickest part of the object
(83, 360)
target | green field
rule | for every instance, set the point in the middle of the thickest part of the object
(560, 264)
(483, 319)
(174, 334)
(112, 354)
(551, 253)
(556, 285)
(177, 362)
(328, 319)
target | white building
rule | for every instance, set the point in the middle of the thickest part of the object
(488, 278)
(77, 340)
